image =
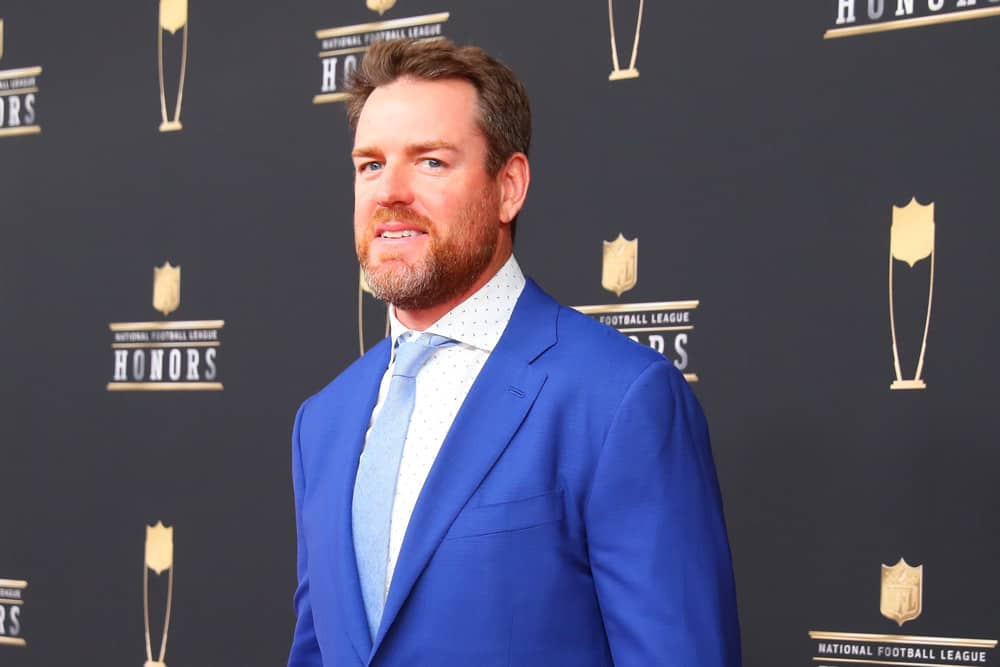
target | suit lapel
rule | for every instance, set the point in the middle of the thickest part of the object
(496, 405)
(351, 418)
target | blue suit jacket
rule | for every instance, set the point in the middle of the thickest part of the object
(572, 516)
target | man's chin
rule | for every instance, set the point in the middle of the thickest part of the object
(398, 285)
(389, 271)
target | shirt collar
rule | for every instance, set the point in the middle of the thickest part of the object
(480, 320)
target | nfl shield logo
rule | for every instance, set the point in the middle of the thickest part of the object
(380, 6)
(166, 288)
(621, 265)
(902, 592)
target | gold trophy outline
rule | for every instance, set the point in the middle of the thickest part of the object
(173, 17)
(617, 73)
(159, 557)
(911, 240)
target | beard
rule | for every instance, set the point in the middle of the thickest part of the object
(450, 265)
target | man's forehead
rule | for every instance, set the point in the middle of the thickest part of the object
(437, 106)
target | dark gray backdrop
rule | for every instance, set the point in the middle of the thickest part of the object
(756, 163)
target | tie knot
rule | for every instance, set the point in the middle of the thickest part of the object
(412, 353)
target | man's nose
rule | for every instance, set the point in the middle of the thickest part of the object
(394, 187)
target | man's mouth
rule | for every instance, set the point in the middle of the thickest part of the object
(406, 233)
(398, 230)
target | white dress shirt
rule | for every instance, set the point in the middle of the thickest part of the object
(442, 385)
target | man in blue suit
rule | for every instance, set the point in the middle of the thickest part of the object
(502, 481)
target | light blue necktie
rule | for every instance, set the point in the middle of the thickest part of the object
(378, 470)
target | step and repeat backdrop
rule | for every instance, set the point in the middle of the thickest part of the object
(795, 202)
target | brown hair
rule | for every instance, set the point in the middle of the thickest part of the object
(504, 112)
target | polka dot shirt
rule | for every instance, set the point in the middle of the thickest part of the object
(442, 385)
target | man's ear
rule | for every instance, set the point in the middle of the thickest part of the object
(513, 179)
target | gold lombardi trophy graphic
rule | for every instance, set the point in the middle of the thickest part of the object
(911, 240)
(159, 557)
(173, 17)
(617, 72)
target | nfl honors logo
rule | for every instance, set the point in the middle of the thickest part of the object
(665, 326)
(858, 17)
(18, 97)
(166, 356)
(341, 49)
(11, 608)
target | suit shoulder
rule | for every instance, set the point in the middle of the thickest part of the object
(596, 370)
(585, 335)
(592, 359)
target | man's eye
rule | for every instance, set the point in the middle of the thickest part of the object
(433, 163)
(370, 166)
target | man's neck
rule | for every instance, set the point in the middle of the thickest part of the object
(419, 320)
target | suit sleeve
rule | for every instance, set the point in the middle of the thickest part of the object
(305, 648)
(656, 535)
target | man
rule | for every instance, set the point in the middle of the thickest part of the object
(502, 481)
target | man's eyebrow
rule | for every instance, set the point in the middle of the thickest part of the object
(364, 151)
(423, 147)
(432, 146)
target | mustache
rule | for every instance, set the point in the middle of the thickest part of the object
(401, 214)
